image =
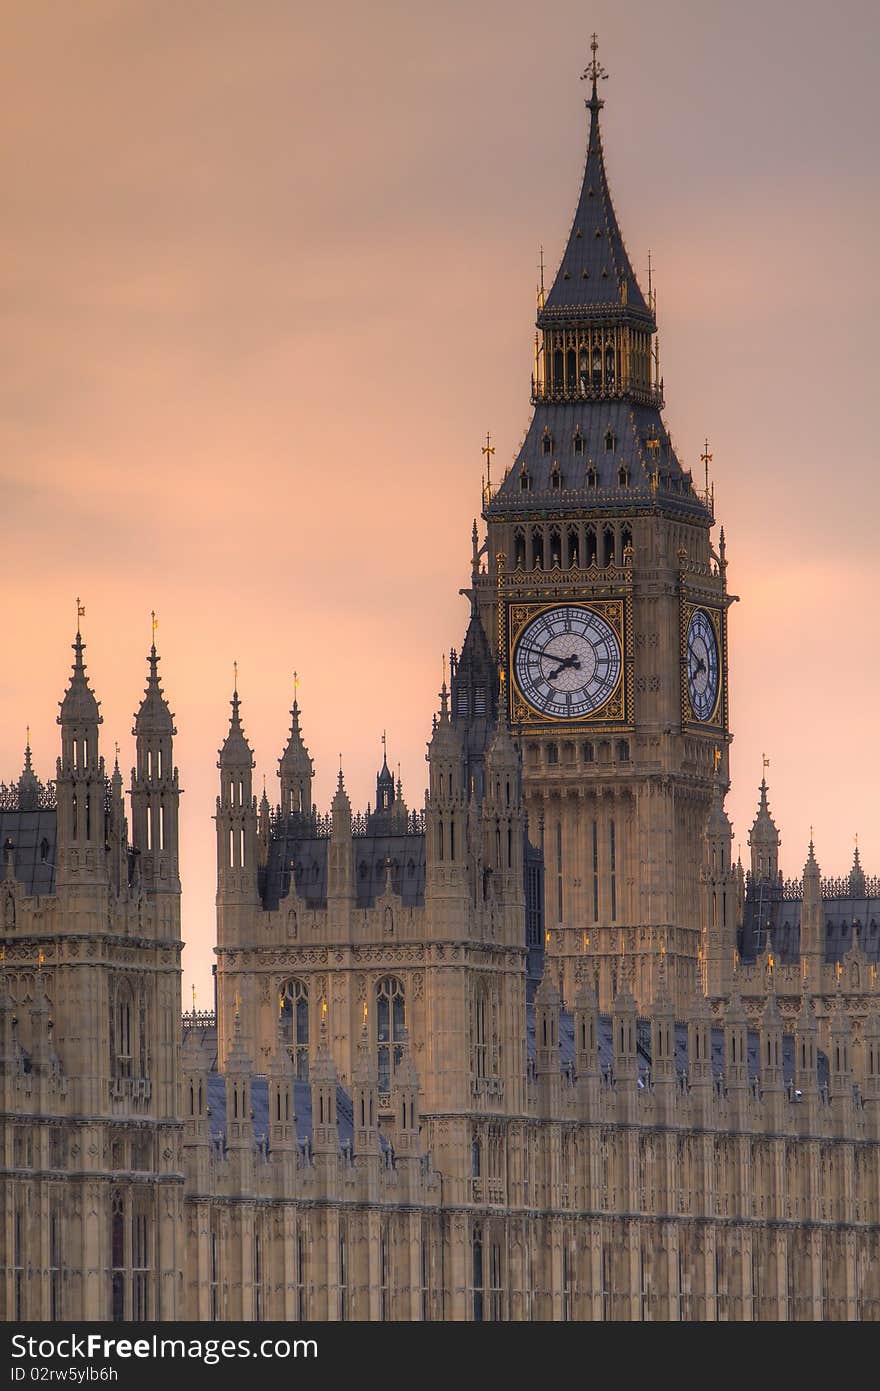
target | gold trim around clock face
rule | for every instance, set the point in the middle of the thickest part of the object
(689, 716)
(613, 708)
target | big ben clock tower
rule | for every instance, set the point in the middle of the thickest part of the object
(604, 604)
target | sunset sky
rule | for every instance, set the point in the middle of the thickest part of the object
(268, 277)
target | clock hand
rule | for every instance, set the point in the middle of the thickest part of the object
(564, 664)
(701, 665)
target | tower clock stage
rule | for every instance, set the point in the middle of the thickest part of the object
(601, 600)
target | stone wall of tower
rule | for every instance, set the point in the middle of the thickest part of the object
(92, 1194)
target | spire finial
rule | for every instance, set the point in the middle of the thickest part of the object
(80, 613)
(235, 678)
(155, 623)
(341, 783)
(593, 73)
(706, 459)
(488, 449)
(541, 296)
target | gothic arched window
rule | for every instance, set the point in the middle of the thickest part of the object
(519, 550)
(390, 1028)
(578, 441)
(295, 1025)
(481, 1031)
(123, 1030)
(537, 548)
(609, 365)
(547, 441)
(609, 441)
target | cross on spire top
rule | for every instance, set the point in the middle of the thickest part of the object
(594, 73)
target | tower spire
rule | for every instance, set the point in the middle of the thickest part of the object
(594, 73)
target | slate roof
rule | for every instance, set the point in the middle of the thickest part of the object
(30, 832)
(595, 273)
(632, 426)
(302, 1102)
(305, 859)
(771, 920)
(643, 1048)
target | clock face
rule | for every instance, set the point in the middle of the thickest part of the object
(567, 662)
(702, 665)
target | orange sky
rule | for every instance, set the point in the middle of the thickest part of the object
(267, 278)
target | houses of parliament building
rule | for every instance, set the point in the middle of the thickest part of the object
(537, 1050)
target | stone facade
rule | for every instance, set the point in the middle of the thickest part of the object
(539, 1050)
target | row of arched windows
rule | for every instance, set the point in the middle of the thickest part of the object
(389, 1013)
(551, 547)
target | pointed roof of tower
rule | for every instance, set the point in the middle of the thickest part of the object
(29, 786)
(857, 886)
(444, 738)
(153, 716)
(238, 1062)
(718, 823)
(235, 750)
(475, 668)
(763, 827)
(296, 757)
(595, 274)
(79, 705)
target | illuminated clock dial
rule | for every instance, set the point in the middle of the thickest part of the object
(567, 662)
(702, 665)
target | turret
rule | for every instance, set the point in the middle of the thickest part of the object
(239, 1121)
(30, 789)
(117, 837)
(806, 1079)
(474, 679)
(503, 818)
(264, 827)
(771, 1058)
(446, 804)
(155, 796)
(282, 1109)
(871, 1080)
(548, 1003)
(322, 1075)
(719, 896)
(736, 1046)
(406, 1105)
(663, 1039)
(80, 783)
(236, 816)
(340, 863)
(700, 1074)
(365, 1098)
(840, 1060)
(812, 922)
(295, 770)
(623, 1023)
(764, 841)
(586, 1040)
(856, 884)
(196, 1121)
